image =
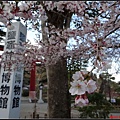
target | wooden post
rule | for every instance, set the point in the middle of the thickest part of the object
(32, 93)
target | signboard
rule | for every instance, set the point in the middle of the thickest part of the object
(11, 79)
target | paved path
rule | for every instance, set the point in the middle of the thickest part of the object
(27, 110)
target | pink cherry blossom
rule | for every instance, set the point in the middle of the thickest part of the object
(81, 102)
(91, 86)
(77, 76)
(77, 87)
(93, 36)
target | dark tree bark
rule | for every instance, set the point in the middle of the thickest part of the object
(59, 103)
(58, 94)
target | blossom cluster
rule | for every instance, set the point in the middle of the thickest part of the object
(81, 87)
(92, 36)
(95, 33)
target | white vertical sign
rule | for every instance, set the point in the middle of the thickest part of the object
(11, 80)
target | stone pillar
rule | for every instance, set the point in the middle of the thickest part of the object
(40, 93)
(11, 79)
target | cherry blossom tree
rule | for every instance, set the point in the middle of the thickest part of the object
(95, 32)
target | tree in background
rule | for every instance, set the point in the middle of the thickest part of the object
(95, 32)
(105, 87)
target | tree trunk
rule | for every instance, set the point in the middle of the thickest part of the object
(58, 94)
(59, 103)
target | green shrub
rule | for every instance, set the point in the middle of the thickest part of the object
(99, 107)
(117, 101)
(25, 93)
